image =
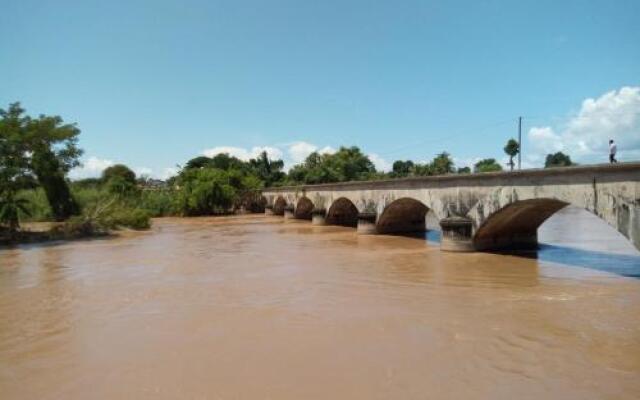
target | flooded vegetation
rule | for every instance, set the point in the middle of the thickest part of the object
(255, 307)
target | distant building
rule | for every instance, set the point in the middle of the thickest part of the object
(153, 184)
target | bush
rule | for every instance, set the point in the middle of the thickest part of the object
(207, 191)
(78, 226)
(37, 204)
(135, 218)
(103, 216)
(487, 165)
(87, 196)
(119, 186)
(158, 203)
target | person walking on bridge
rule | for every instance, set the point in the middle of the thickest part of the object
(613, 149)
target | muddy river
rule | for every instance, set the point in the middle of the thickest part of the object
(251, 307)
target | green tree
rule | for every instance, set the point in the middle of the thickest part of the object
(558, 159)
(442, 164)
(401, 168)
(487, 165)
(464, 170)
(212, 189)
(318, 168)
(222, 161)
(15, 169)
(120, 171)
(512, 148)
(347, 164)
(270, 171)
(205, 191)
(199, 162)
(422, 169)
(350, 164)
(45, 147)
(226, 162)
(120, 180)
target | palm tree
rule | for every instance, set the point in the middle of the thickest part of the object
(10, 209)
(512, 148)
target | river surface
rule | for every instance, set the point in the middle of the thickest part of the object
(251, 307)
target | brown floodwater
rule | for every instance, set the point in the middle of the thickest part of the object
(251, 307)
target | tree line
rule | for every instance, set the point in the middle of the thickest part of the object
(37, 153)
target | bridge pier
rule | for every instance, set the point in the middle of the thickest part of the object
(318, 216)
(456, 234)
(288, 212)
(268, 210)
(516, 241)
(366, 223)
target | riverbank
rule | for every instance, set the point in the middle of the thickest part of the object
(42, 232)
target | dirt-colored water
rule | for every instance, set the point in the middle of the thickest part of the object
(252, 307)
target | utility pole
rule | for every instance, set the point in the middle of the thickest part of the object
(519, 142)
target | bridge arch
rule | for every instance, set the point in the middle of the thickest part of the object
(278, 205)
(403, 216)
(303, 210)
(256, 204)
(342, 212)
(516, 224)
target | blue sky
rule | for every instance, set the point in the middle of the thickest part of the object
(154, 83)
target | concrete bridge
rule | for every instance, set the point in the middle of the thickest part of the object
(486, 211)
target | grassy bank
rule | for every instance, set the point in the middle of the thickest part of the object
(128, 209)
(102, 212)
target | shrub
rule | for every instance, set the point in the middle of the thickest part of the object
(102, 216)
(158, 203)
(135, 218)
(87, 196)
(37, 205)
(206, 191)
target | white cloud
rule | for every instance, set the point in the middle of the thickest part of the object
(292, 153)
(585, 137)
(244, 154)
(91, 168)
(545, 139)
(380, 163)
(143, 171)
(327, 150)
(299, 151)
(168, 173)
